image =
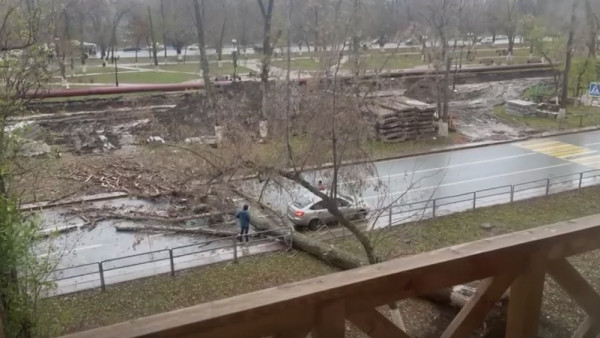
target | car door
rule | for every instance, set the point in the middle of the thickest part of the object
(321, 212)
(344, 207)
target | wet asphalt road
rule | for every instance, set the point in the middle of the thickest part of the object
(404, 181)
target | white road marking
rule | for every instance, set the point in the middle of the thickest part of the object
(469, 181)
(591, 144)
(157, 235)
(458, 165)
(81, 248)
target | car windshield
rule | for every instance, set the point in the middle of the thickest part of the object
(302, 202)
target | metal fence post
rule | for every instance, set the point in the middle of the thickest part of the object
(101, 271)
(172, 262)
(580, 180)
(512, 193)
(235, 253)
(433, 211)
(474, 200)
(547, 186)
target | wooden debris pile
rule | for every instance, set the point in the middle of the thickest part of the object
(128, 176)
(396, 119)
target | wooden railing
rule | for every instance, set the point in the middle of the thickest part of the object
(518, 261)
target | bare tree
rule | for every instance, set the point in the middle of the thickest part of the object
(198, 14)
(154, 47)
(569, 55)
(593, 23)
(164, 26)
(267, 52)
(222, 32)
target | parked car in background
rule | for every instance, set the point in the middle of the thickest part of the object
(310, 211)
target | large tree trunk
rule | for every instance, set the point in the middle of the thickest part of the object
(316, 29)
(456, 296)
(177, 229)
(511, 43)
(153, 40)
(569, 56)
(222, 33)
(267, 14)
(164, 26)
(593, 29)
(203, 58)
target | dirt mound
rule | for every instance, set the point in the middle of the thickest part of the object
(424, 90)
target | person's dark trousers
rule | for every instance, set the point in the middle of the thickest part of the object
(244, 231)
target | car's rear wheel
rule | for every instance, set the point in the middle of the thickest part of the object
(362, 214)
(315, 224)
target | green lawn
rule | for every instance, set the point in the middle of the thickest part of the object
(374, 62)
(379, 149)
(136, 77)
(301, 64)
(577, 116)
(225, 69)
(130, 300)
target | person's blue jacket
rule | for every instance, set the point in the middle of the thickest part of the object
(244, 217)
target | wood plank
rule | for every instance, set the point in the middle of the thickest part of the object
(576, 286)
(366, 287)
(472, 315)
(587, 329)
(330, 320)
(525, 302)
(376, 325)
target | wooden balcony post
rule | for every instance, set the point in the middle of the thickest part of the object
(331, 320)
(587, 329)
(525, 301)
(472, 315)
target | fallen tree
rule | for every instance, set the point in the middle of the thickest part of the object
(457, 296)
(181, 230)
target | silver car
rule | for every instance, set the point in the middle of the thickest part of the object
(310, 211)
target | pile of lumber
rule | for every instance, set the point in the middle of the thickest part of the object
(396, 119)
(521, 108)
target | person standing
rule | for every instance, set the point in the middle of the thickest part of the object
(244, 217)
(321, 186)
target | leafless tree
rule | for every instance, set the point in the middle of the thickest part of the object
(266, 10)
(569, 55)
(199, 16)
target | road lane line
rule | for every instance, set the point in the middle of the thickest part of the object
(458, 165)
(469, 181)
(583, 159)
(592, 144)
(581, 154)
(535, 143)
(80, 248)
(572, 152)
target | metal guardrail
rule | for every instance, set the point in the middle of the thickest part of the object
(170, 255)
(492, 196)
(436, 207)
